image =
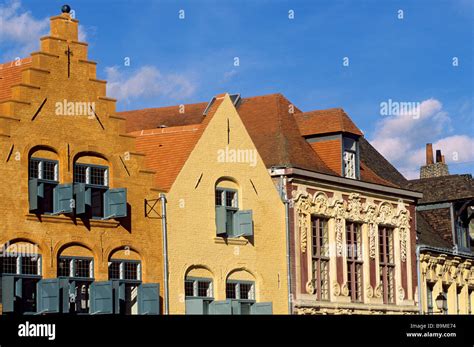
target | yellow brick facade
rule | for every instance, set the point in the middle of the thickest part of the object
(195, 250)
(27, 132)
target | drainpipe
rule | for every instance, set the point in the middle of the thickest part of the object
(287, 230)
(418, 276)
(165, 250)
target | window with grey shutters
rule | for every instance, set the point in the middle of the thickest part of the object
(43, 179)
(230, 221)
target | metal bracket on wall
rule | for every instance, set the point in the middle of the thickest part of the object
(150, 211)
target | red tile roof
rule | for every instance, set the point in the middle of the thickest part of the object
(10, 74)
(167, 149)
(277, 133)
(333, 120)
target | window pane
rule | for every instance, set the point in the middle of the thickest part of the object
(114, 270)
(189, 288)
(324, 280)
(391, 284)
(48, 198)
(80, 174)
(358, 284)
(230, 199)
(314, 237)
(230, 291)
(389, 241)
(246, 291)
(9, 264)
(131, 271)
(49, 172)
(219, 198)
(97, 176)
(82, 268)
(29, 265)
(34, 168)
(324, 237)
(204, 288)
(64, 268)
(97, 202)
(349, 165)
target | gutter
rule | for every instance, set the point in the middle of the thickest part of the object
(164, 227)
(418, 276)
(274, 171)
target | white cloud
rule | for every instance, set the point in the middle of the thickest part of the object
(147, 82)
(20, 30)
(402, 139)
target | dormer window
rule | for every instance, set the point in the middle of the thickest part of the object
(350, 157)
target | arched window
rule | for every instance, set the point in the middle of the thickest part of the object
(130, 295)
(46, 195)
(198, 290)
(21, 271)
(93, 196)
(76, 267)
(231, 220)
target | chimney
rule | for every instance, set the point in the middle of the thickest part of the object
(432, 169)
(429, 153)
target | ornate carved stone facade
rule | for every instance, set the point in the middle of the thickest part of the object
(339, 208)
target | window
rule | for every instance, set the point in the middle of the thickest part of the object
(354, 260)
(23, 273)
(80, 273)
(127, 274)
(198, 287)
(13, 264)
(127, 270)
(429, 298)
(350, 158)
(76, 267)
(43, 178)
(230, 221)
(320, 257)
(95, 179)
(387, 264)
(240, 290)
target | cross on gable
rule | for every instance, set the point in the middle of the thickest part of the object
(69, 53)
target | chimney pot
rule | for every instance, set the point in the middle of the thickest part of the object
(429, 153)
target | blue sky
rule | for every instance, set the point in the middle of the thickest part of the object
(176, 61)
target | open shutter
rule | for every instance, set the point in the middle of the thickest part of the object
(101, 298)
(80, 198)
(8, 293)
(149, 298)
(119, 296)
(47, 296)
(63, 198)
(115, 203)
(65, 288)
(220, 307)
(262, 308)
(194, 306)
(236, 307)
(33, 194)
(243, 223)
(221, 218)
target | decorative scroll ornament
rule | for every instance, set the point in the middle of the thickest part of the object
(403, 223)
(378, 291)
(345, 289)
(370, 212)
(310, 289)
(386, 214)
(338, 211)
(401, 293)
(336, 288)
(372, 249)
(370, 291)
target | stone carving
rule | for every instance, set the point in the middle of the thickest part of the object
(386, 214)
(310, 289)
(336, 288)
(378, 291)
(354, 208)
(401, 293)
(303, 224)
(370, 291)
(345, 290)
